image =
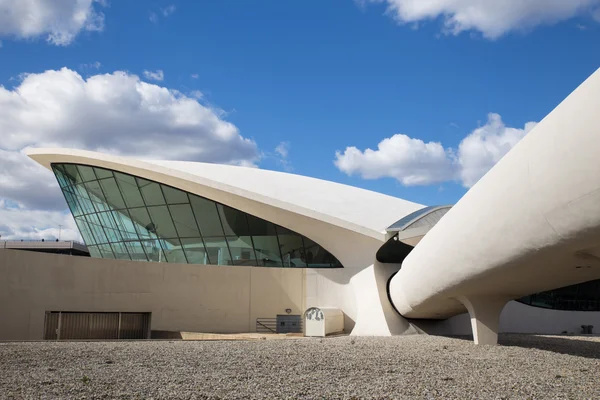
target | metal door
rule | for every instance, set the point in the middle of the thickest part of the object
(96, 325)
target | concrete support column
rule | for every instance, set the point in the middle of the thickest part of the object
(485, 315)
(375, 314)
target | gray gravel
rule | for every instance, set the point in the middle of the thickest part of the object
(344, 367)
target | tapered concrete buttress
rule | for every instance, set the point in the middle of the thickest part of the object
(375, 314)
(485, 317)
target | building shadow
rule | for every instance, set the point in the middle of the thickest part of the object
(578, 346)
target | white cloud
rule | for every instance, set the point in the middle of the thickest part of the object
(165, 12)
(168, 10)
(196, 94)
(195, 76)
(116, 113)
(485, 146)
(414, 162)
(90, 66)
(18, 223)
(282, 151)
(410, 161)
(157, 75)
(492, 18)
(59, 22)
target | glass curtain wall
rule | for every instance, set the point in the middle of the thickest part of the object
(581, 297)
(126, 217)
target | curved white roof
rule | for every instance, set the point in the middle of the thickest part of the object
(349, 207)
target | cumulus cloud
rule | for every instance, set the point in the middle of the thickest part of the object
(59, 22)
(414, 162)
(485, 146)
(492, 18)
(411, 161)
(116, 113)
(157, 75)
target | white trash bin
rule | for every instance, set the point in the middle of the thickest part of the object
(323, 321)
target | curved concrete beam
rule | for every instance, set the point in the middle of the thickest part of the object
(525, 227)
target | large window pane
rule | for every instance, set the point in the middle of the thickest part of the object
(96, 228)
(241, 250)
(129, 190)
(72, 202)
(292, 248)
(110, 227)
(84, 199)
(107, 220)
(194, 251)
(184, 221)
(174, 196)
(316, 256)
(260, 227)
(267, 251)
(207, 217)
(151, 192)
(136, 251)
(124, 224)
(71, 173)
(58, 172)
(163, 224)
(120, 251)
(106, 251)
(94, 252)
(86, 173)
(112, 193)
(153, 250)
(217, 250)
(95, 194)
(173, 251)
(264, 237)
(102, 173)
(234, 221)
(143, 224)
(85, 231)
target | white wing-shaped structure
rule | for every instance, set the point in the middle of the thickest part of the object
(348, 222)
(531, 224)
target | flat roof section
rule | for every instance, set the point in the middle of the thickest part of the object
(47, 246)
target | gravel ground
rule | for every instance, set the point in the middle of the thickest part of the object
(399, 367)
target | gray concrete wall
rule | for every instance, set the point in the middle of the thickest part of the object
(181, 297)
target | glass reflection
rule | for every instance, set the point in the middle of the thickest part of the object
(126, 217)
(580, 297)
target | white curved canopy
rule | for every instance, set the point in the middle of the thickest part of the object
(359, 210)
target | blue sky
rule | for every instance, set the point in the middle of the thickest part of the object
(316, 77)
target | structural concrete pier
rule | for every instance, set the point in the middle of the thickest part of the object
(485, 317)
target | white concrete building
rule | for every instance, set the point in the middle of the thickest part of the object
(530, 226)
